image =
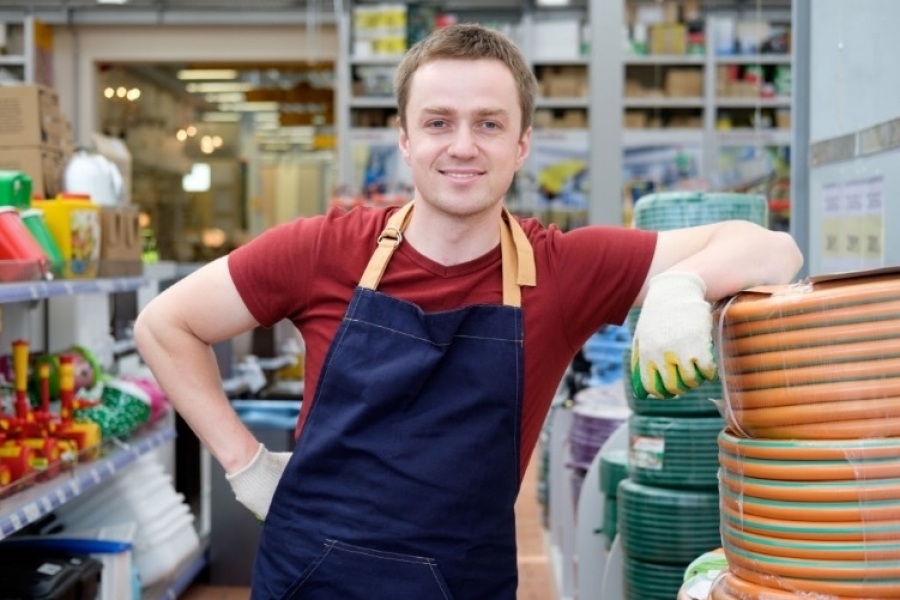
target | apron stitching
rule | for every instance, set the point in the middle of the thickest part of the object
(437, 580)
(315, 566)
(421, 339)
(414, 560)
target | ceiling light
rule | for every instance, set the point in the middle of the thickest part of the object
(214, 87)
(112, 1)
(552, 2)
(207, 74)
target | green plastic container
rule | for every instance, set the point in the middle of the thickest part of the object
(15, 189)
(34, 221)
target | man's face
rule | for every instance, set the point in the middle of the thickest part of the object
(462, 134)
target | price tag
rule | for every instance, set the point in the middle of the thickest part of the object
(32, 511)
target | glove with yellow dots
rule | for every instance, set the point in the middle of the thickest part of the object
(672, 349)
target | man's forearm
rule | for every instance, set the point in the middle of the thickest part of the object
(186, 369)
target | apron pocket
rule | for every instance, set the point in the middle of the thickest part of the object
(353, 572)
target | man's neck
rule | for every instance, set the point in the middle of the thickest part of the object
(452, 240)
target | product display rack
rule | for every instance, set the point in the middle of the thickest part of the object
(520, 15)
(27, 291)
(32, 503)
(708, 136)
(22, 62)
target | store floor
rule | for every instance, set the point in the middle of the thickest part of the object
(535, 578)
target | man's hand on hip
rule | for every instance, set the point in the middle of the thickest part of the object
(254, 485)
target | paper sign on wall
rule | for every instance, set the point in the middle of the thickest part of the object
(853, 225)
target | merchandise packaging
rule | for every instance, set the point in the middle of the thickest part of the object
(810, 458)
(812, 360)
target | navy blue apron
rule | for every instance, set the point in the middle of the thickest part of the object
(404, 479)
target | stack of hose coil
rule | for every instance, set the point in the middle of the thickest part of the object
(673, 210)
(613, 469)
(813, 360)
(810, 464)
(668, 508)
(678, 453)
(662, 531)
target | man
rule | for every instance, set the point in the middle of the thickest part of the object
(436, 336)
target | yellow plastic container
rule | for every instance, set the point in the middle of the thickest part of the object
(74, 223)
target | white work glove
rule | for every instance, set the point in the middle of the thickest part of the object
(672, 350)
(254, 485)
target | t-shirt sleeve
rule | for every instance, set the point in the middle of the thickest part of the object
(272, 272)
(598, 272)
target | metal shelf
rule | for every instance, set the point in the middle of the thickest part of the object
(374, 102)
(544, 102)
(754, 59)
(386, 61)
(750, 137)
(662, 137)
(665, 59)
(560, 62)
(38, 290)
(15, 60)
(783, 102)
(29, 505)
(663, 102)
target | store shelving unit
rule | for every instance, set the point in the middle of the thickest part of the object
(519, 15)
(21, 62)
(27, 291)
(34, 502)
(707, 106)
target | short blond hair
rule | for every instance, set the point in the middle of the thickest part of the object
(467, 41)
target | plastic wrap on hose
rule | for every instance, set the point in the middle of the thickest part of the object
(812, 518)
(674, 452)
(814, 360)
(729, 586)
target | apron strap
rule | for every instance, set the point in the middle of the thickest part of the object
(388, 241)
(515, 250)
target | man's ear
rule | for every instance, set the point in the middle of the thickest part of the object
(524, 147)
(403, 143)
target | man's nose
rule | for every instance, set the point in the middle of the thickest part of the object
(463, 143)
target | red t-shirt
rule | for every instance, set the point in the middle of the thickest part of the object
(308, 269)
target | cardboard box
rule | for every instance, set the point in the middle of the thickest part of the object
(668, 39)
(120, 244)
(684, 83)
(634, 119)
(43, 164)
(564, 82)
(29, 116)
